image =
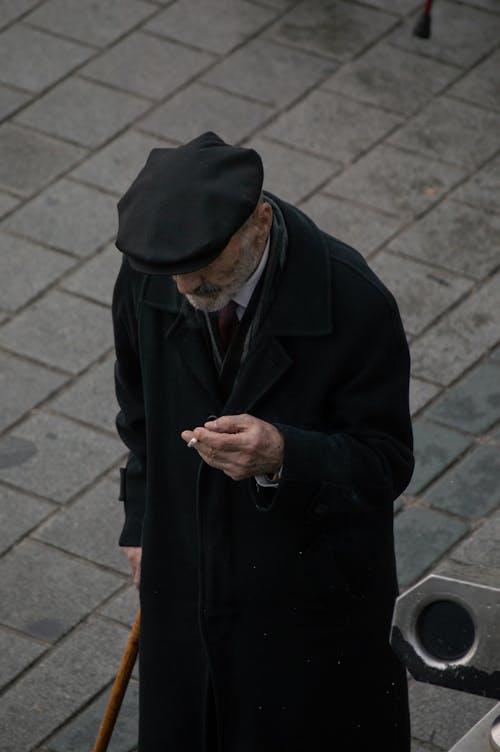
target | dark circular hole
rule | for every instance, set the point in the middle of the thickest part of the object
(445, 630)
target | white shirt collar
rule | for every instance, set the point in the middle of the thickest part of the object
(242, 297)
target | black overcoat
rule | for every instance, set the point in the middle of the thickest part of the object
(273, 605)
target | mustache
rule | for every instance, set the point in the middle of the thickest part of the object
(206, 290)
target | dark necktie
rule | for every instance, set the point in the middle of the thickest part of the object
(227, 323)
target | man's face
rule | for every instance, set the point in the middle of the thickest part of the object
(211, 288)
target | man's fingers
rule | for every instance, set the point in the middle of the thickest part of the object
(228, 423)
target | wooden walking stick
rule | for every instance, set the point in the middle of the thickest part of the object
(119, 688)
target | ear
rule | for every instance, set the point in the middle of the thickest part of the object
(264, 216)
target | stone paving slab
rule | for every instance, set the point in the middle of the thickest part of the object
(19, 514)
(95, 279)
(448, 130)
(29, 160)
(269, 73)
(91, 398)
(11, 100)
(199, 108)
(395, 181)
(421, 536)
(483, 188)
(48, 591)
(460, 238)
(50, 58)
(481, 548)
(394, 79)
(60, 330)
(12, 9)
(212, 25)
(480, 86)
(74, 528)
(83, 112)
(80, 733)
(76, 670)
(97, 23)
(436, 448)
(473, 404)
(424, 292)
(356, 126)
(16, 654)
(147, 66)
(462, 34)
(26, 269)
(363, 228)
(7, 203)
(115, 166)
(461, 336)
(421, 393)
(23, 385)
(472, 489)
(54, 457)
(122, 607)
(340, 30)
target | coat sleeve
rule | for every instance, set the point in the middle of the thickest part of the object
(367, 452)
(130, 421)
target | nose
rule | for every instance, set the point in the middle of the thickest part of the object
(187, 283)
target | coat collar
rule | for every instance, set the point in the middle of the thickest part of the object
(303, 305)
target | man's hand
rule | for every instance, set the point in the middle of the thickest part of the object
(134, 555)
(241, 446)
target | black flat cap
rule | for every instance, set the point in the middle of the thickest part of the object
(186, 203)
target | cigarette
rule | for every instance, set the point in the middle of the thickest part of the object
(192, 443)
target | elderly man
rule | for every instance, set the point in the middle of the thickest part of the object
(262, 375)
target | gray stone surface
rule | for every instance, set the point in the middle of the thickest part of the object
(19, 514)
(7, 203)
(461, 34)
(23, 385)
(11, 100)
(29, 160)
(60, 330)
(213, 25)
(423, 292)
(290, 174)
(84, 112)
(50, 58)
(97, 23)
(200, 108)
(471, 489)
(481, 84)
(122, 607)
(16, 654)
(59, 217)
(12, 9)
(73, 529)
(460, 337)
(269, 73)
(81, 732)
(55, 457)
(453, 713)
(116, 165)
(448, 130)
(49, 591)
(421, 393)
(391, 78)
(96, 278)
(473, 404)
(359, 226)
(26, 269)
(73, 673)
(340, 30)
(147, 66)
(483, 188)
(422, 537)
(394, 181)
(436, 448)
(460, 238)
(356, 126)
(91, 397)
(481, 548)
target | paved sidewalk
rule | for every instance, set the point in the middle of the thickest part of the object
(392, 143)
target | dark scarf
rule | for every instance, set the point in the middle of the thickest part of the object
(228, 365)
